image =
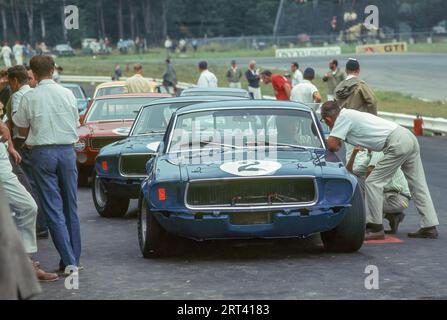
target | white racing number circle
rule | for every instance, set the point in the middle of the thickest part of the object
(153, 146)
(247, 168)
(124, 131)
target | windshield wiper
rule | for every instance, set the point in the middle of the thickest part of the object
(205, 143)
(269, 144)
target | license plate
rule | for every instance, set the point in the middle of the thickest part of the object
(244, 218)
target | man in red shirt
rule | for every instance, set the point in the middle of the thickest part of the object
(279, 83)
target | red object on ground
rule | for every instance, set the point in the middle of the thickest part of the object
(417, 126)
(388, 239)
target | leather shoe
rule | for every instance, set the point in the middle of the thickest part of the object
(374, 235)
(395, 219)
(42, 235)
(425, 233)
(44, 276)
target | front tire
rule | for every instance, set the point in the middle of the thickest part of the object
(154, 241)
(349, 235)
(107, 205)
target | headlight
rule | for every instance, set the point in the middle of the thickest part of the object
(80, 145)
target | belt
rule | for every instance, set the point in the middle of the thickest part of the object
(51, 145)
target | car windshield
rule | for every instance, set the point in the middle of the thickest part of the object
(109, 90)
(117, 109)
(77, 91)
(244, 128)
(155, 118)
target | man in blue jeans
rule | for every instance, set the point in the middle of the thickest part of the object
(48, 117)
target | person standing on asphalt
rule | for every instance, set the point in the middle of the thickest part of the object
(207, 79)
(6, 53)
(117, 73)
(253, 77)
(20, 201)
(137, 83)
(353, 93)
(51, 140)
(19, 81)
(279, 83)
(170, 78)
(234, 75)
(333, 78)
(297, 76)
(306, 91)
(400, 150)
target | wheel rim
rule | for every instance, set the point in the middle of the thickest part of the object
(100, 194)
(143, 222)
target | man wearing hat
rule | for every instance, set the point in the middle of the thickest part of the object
(400, 150)
(305, 91)
(234, 75)
(353, 93)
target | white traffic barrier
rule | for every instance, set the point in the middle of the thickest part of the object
(436, 125)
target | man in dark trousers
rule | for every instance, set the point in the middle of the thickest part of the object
(52, 139)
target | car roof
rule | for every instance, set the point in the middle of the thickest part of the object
(244, 104)
(133, 95)
(70, 85)
(196, 99)
(111, 84)
(216, 91)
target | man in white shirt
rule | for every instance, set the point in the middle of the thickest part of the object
(297, 76)
(48, 117)
(137, 83)
(6, 54)
(401, 150)
(18, 53)
(306, 92)
(207, 79)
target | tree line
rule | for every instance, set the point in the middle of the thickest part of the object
(43, 20)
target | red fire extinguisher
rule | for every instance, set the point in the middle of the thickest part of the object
(417, 125)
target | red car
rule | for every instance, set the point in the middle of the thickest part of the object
(108, 119)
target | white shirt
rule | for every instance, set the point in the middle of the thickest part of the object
(303, 92)
(17, 49)
(16, 98)
(207, 79)
(297, 77)
(51, 113)
(362, 129)
(6, 52)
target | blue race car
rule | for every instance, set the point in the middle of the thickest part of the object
(121, 166)
(247, 169)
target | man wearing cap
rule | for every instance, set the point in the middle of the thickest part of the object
(253, 77)
(207, 79)
(333, 78)
(306, 91)
(400, 150)
(353, 93)
(280, 84)
(234, 75)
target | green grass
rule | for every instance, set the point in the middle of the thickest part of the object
(388, 101)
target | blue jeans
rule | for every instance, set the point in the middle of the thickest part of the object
(56, 176)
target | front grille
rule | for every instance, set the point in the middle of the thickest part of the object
(98, 143)
(134, 164)
(251, 192)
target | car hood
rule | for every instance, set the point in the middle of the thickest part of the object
(290, 163)
(105, 129)
(134, 144)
